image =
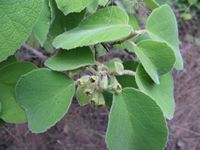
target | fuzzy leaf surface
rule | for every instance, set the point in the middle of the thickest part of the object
(162, 25)
(107, 24)
(17, 20)
(162, 94)
(46, 96)
(11, 112)
(135, 119)
(156, 57)
(70, 60)
(70, 6)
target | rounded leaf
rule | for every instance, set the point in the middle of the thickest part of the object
(162, 94)
(107, 24)
(17, 20)
(11, 112)
(135, 123)
(162, 25)
(46, 96)
(70, 60)
(156, 57)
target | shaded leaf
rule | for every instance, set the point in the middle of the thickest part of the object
(9, 60)
(70, 60)
(127, 80)
(162, 94)
(156, 57)
(11, 111)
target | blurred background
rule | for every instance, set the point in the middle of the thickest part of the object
(84, 128)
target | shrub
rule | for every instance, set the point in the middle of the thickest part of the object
(138, 90)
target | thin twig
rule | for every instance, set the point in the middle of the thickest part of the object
(34, 52)
(132, 34)
(125, 72)
(96, 52)
(105, 47)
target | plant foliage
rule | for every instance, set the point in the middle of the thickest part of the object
(137, 90)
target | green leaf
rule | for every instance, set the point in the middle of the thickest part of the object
(192, 2)
(70, 6)
(151, 4)
(127, 80)
(92, 8)
(41, 28)
(162, 25)
(161, 2)
(114, 65)
(9, 60)
(11, 111)
(61, 23)
(2, 123)
(107, 24)
(134, 22)
(82, 98)
(156, 57)
(108, 97)
(70, 60)
(135, 123)
(17, 20)
(162, 94)
(155, 3)
(46, 96)
(141, 37)
(103, 2)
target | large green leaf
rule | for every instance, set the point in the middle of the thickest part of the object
(9, 60)
(135, 123)
(70, 60)
(17, 20)
(107, 24)
(11, 111)
(41, 28)
(46, 96)
(162, 25)
(156, 57)
(162, 94)
(70, 6)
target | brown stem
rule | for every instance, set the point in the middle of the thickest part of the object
(34, 52)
